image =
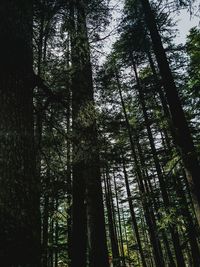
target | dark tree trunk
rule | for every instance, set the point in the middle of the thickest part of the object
(51, 236)
(148, 186)
(149, 216)
(19, 194)
(119, 222)
(134, 221)
(45, 231)
(56, 235)
(87, 191)
(111, 224)
(69, 163)
(79, 228)
(190, 226)
(182, 137)
(126, 237)
(180, 192)
(163, 187)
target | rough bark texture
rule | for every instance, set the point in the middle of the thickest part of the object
(87, 191)
(19, 194)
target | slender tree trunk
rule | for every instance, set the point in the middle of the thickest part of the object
(149, 188)
(51, 234)
(173, 231)
(56, 235)
(113, 213)
(183, 137)
(45, 231)
(149, 216)
(189, 221)
(190, 227)
(112, 230)
(119, 222)
(133, 217)
(45, 221)
(69, 168)
(163, 100)
(126, 237)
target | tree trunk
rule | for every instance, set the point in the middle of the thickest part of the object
(182, 137)
(45, 231)
(19, 194)
(69, 165)
(134, 221)
(119, 222)
(149, 188)
(87, 191)
(112, 230)
(149, 216)
(163, 188)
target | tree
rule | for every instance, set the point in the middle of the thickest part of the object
(182, 136)
(95, 145)
(193, 44)
(87, 192)
(20, 187)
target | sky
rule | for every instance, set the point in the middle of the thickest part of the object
(184, 23)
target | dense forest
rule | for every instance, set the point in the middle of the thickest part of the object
(99, 147)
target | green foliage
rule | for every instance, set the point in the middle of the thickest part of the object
(193, 50)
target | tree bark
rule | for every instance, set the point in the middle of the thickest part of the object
(19, 194)
(87, 190)
(183, 136)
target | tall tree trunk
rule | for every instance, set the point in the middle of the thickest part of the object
(112, 230)
(45, 220)
(149, 188)
(45, 231)
(182, 137)
(87, 189)
(180, 192)
(69, 165)
(190, 227)
(133, 217)
(126, 237)
(51, 235)
(149, 216)
(173, 231)
(119, 222)
(79, 228)
(19, 194)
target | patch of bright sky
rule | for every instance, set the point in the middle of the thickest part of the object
(184, 23)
